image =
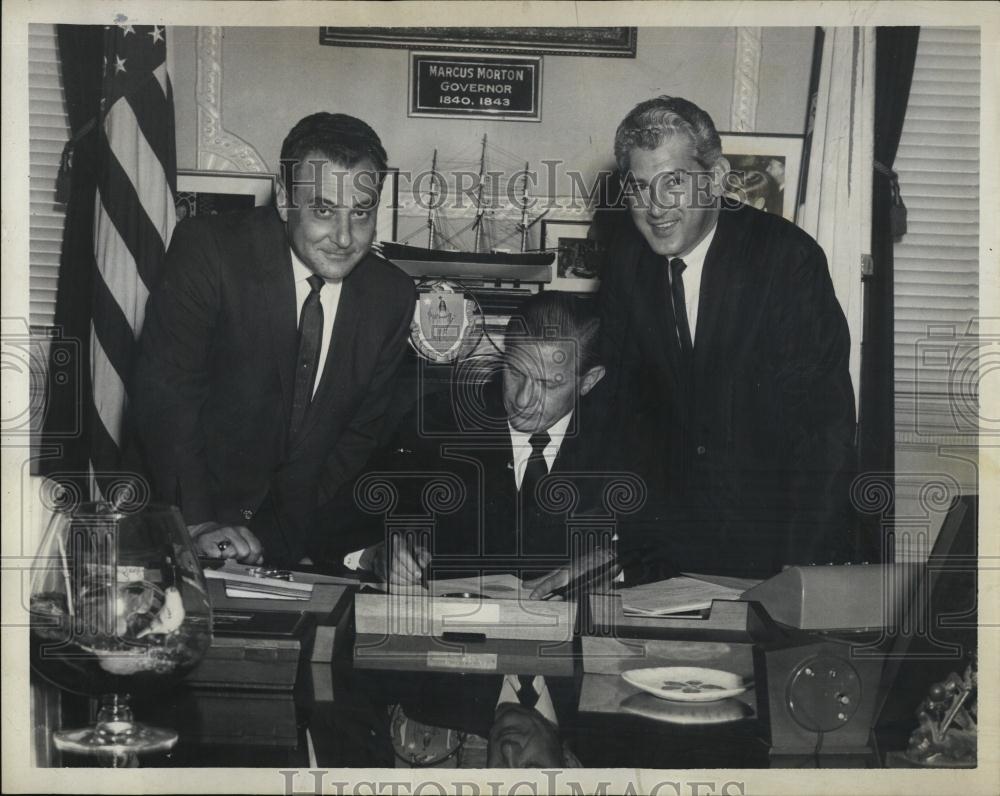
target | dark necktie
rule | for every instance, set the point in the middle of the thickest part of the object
(307, 361)
(677, 266)
(526, 693)
(536, 469)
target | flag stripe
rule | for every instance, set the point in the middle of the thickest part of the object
(104, 451)
(141, 236)
(109, 395)
(160, 73)
(118, 271)
(153, 102)
(149, 107)
(133, 218)
(113, 329)
(143, 168)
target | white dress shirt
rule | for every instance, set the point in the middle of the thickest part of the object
(695, 264)
(521, 443)
(329, 299)
(509, 689)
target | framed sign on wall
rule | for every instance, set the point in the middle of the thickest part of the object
(498, 87)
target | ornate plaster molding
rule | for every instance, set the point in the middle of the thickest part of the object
(746, 81)
(218, 149)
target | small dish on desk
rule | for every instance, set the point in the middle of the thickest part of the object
(687, 683)
(723, 711)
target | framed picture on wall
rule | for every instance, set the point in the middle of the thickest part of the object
(616, 42)
(765, 170)
(578, 258)
(209, 193)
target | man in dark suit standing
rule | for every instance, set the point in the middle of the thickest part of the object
(269, 350)
(727, 354)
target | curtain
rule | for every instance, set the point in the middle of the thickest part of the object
(837, 205)
(895, 52)
(836, 209)
(65, 447)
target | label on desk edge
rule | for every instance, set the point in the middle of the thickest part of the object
(483, 661)
(475, 614)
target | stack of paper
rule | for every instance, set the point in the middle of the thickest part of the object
(239, 583)
(492, 587)
(674, 596)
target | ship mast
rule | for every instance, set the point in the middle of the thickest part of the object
(433, 202)
(479, 197)
(524, 209)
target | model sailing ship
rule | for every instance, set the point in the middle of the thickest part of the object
(444, 258)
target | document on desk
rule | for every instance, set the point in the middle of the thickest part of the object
(674, 596)
(246, 581)
(493, 587)
(239, 584)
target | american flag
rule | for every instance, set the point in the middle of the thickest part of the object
(133, 220)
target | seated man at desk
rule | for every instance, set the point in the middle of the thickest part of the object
(491, 446)
(541, 416)
(495, 443)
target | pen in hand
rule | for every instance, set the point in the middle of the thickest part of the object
(410, 562)
(584, 580)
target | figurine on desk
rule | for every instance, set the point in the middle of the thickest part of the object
(947, 733)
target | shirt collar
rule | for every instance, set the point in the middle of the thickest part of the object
(695, 258)
(556, 432)
(300, 271)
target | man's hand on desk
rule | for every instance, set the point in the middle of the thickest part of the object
(404, 566)
(215, 540)
(598, 561)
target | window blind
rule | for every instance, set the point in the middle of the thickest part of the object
(937, 261)
(48, 132)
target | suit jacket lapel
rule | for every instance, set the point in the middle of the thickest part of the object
(277, 294)
(721, 286)
(654, 286)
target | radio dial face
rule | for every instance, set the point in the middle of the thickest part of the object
(823, 693)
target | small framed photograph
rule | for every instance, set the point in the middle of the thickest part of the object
(578, 258)
(209, 193)
(764, 170)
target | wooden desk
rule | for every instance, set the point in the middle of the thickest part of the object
(344, 709)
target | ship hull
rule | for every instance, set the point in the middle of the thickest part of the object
(505, 266)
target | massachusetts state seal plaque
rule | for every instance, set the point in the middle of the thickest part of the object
(446, 323)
